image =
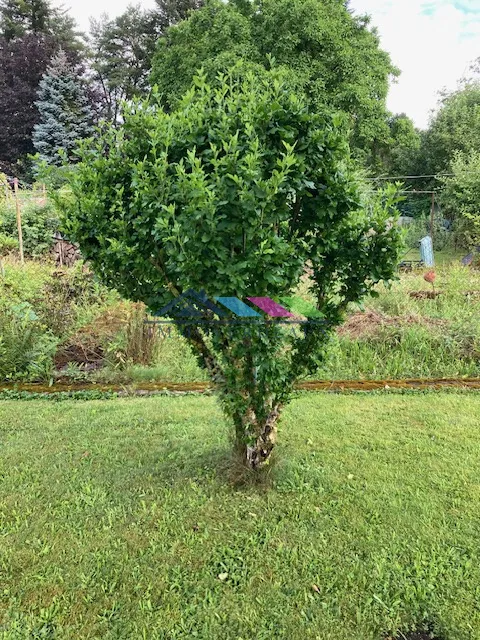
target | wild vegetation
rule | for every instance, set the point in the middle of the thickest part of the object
(83, 330)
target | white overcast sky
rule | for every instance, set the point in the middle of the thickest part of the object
(431, 41)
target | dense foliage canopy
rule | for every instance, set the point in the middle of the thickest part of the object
(461, 196)
(332, 55)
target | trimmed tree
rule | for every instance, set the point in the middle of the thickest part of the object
(65, 112)
(234, 193)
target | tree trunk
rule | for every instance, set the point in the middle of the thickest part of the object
(256, 439)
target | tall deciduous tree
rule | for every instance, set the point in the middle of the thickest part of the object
(122, 50)
(65, 112)
(454, 128)
(333, 56)
(172, 11)
(234, 193)
(397, 154)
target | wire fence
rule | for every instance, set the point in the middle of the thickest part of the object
(421, 210)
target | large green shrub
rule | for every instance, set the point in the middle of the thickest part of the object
(235, 192)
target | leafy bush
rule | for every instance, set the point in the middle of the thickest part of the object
(39, 222)
(235, 192)
(67, 296)
(7, 244)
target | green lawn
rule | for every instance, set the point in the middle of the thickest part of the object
(118, 517)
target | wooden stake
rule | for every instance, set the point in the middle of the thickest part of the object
(19, 220)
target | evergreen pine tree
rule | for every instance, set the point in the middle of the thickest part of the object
(65, 112)
(19, 17)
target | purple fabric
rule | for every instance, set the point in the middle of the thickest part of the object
(271, 308)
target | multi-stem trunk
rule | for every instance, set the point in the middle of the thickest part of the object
(255, 437)
(254, 406)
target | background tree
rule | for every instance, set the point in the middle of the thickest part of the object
(122, 50)
(461, 196)
(22, 64)
(234, 192)
(172, 11)
(30, 34)
(19, 18)
(397, 155)
(455, 127)
(65, 112)
(333, 56)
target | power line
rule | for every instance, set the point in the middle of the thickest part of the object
(412, 192)
(438, 175)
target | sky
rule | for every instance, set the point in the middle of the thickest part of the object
(432, 42)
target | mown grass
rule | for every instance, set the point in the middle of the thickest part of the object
(118, 517)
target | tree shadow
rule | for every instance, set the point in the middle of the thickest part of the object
(220, 464)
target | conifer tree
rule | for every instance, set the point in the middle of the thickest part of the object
(65, 112)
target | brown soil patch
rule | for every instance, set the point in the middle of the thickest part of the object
(368, 323)
(87, 346)
(425, 295)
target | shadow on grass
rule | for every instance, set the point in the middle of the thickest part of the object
(416, 635)
(220, 464)
(426, 633)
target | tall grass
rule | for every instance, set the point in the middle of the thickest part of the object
(425, 338)
(418, 338)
